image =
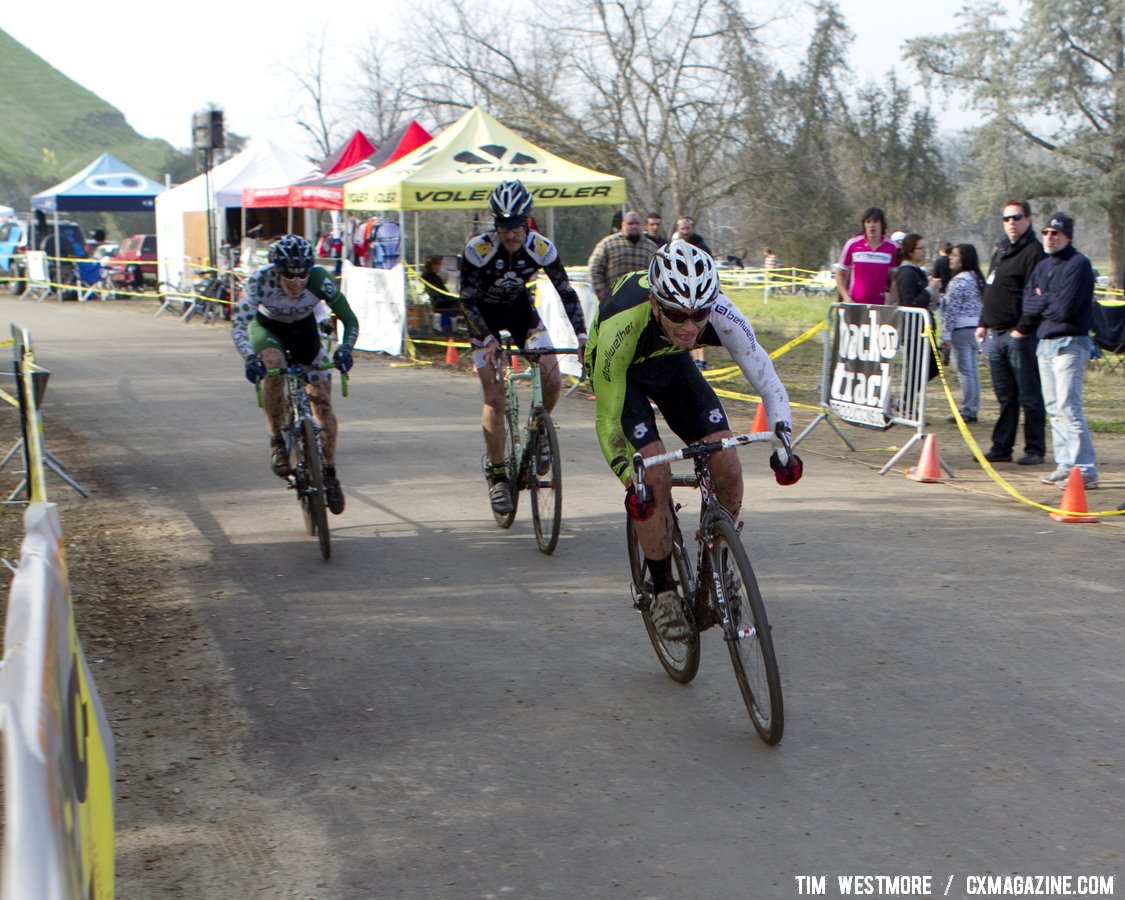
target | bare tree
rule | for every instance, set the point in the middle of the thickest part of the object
(1068, 96)
(315, 114)
(640, 88)
(387, 101)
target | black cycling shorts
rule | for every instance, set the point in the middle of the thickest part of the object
(687, 401)
(518, 317)
(299, 340)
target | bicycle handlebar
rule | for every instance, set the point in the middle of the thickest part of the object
(705, 448)
(532, 354)
(300, 370)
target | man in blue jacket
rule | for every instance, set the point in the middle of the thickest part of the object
(1059, 309)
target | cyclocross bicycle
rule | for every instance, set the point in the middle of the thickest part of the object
(303, 446)
(533, 461)
(720, 589)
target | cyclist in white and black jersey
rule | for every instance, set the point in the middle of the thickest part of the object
(276, 314)
(495, 270)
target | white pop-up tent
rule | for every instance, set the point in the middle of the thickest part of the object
(181, 212)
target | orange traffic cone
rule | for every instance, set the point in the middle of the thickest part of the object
(760, 423)
(515, 363)
(929, 466)
(1074, 501)
(451, 357)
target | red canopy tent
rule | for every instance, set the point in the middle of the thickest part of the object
(326, 191)
(357, 149)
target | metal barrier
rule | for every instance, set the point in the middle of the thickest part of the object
(877, 363)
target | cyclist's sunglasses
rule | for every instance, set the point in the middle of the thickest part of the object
(681, 316)
(294, 276)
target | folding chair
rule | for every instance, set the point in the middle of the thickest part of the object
(1109, 334)
(88, 280)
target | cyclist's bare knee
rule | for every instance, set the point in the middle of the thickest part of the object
(272, 358)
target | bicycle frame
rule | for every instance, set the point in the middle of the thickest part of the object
(710, 510)
(722, 590)
(512, 379)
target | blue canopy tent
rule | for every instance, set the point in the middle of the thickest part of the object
(106, 185)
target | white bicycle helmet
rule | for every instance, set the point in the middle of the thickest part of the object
(681, 275)
(510, 201)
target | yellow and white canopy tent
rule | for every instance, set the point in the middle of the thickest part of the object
(460, 167)
(458, 170)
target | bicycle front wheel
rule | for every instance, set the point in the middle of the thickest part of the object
(680, 659)
(311, 493)
(747, 633)
(545, 481)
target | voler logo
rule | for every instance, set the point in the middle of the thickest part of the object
(640, 431)
(490, 154)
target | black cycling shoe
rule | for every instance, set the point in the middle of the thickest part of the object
(279, 458)
(333, 494)
(500, 496)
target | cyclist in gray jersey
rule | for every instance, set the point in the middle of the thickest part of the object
(275, 316)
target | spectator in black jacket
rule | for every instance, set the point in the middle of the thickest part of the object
(941, 264)
(914, 289)
(1011, 355)
(1059, 308)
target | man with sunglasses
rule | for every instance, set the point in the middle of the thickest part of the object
(495, 270)
(1011, 354)
(639, 354)
(275, 316)
(1059, 310)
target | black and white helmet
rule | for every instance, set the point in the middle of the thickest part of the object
(292, 256)
(681, 275)
(510, 202)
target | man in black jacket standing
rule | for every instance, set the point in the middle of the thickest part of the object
(1011, 354)
(1059, 308)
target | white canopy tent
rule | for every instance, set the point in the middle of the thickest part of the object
(181, 212)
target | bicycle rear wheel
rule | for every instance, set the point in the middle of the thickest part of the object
(310, 487)
(680, 659)
(504, 520)
(545, 481)
(747, 633)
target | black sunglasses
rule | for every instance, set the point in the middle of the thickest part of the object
(1016, 217)
(680, 317)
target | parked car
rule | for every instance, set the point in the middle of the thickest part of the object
(16, 238)
(13, 243)
(134, 263)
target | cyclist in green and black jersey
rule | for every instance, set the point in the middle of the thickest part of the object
(640, 351)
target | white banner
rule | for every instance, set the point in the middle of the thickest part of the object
(553, 314)
(58, 749)
(37, 267)
(378, 298)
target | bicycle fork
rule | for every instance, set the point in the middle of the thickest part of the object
(708, 557)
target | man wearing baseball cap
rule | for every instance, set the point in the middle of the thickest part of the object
(1059, 308)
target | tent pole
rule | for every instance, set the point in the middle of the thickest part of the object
(417, 244)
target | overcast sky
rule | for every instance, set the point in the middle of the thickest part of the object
(159, 65)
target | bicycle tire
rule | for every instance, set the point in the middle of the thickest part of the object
(680, 659)
(746, 631)
(505, 520)
(546, 487)
(317, 495)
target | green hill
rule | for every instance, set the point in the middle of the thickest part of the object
(51, 127)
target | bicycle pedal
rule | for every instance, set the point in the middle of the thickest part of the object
(640, 600)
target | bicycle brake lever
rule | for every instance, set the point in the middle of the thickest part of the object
(639, 478)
